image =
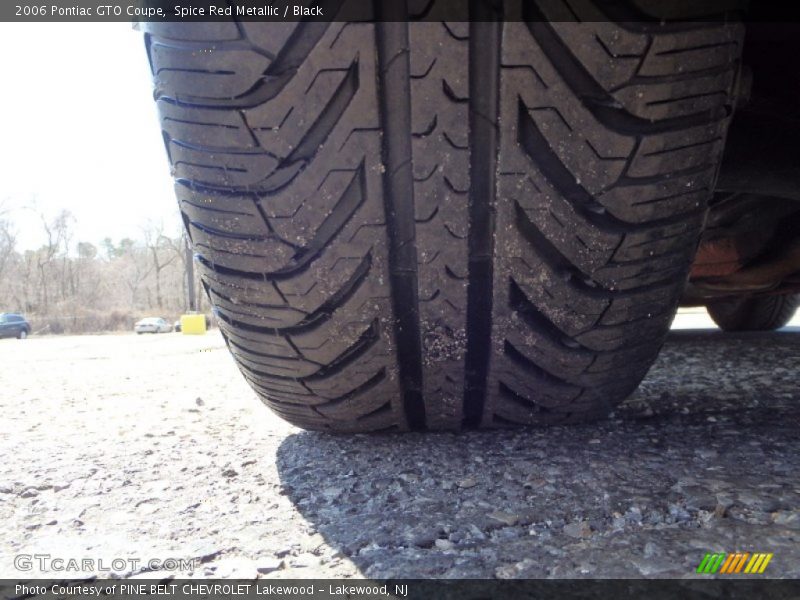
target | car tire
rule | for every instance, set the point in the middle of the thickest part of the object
(23, 334)
(444, 225)
(766, 313)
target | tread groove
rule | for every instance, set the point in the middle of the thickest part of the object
(484, 83)
(394, 89)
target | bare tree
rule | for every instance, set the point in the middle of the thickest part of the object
(8, 242)
(182, 249)
(55, 231)
(159, 246)
(87, 282)
(136, 267)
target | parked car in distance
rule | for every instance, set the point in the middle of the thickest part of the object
(152, 325)
(14, 325)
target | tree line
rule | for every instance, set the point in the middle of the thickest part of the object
(69, 286)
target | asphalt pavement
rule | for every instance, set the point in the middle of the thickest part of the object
(153, 447)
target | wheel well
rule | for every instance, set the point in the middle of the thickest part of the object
(751, 242)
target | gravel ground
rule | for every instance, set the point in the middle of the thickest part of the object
(153, 447)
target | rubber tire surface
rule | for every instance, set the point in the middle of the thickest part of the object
(444, 225)
(767, 313)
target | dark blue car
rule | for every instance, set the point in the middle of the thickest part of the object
(14, 325)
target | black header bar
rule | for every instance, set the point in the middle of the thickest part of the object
(654, 13)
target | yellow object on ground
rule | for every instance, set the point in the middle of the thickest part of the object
(193, 324)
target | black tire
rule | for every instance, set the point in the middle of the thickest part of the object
(492, 228)
(766, 313)
(23, 334)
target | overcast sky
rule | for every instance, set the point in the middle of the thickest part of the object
(80, 131)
